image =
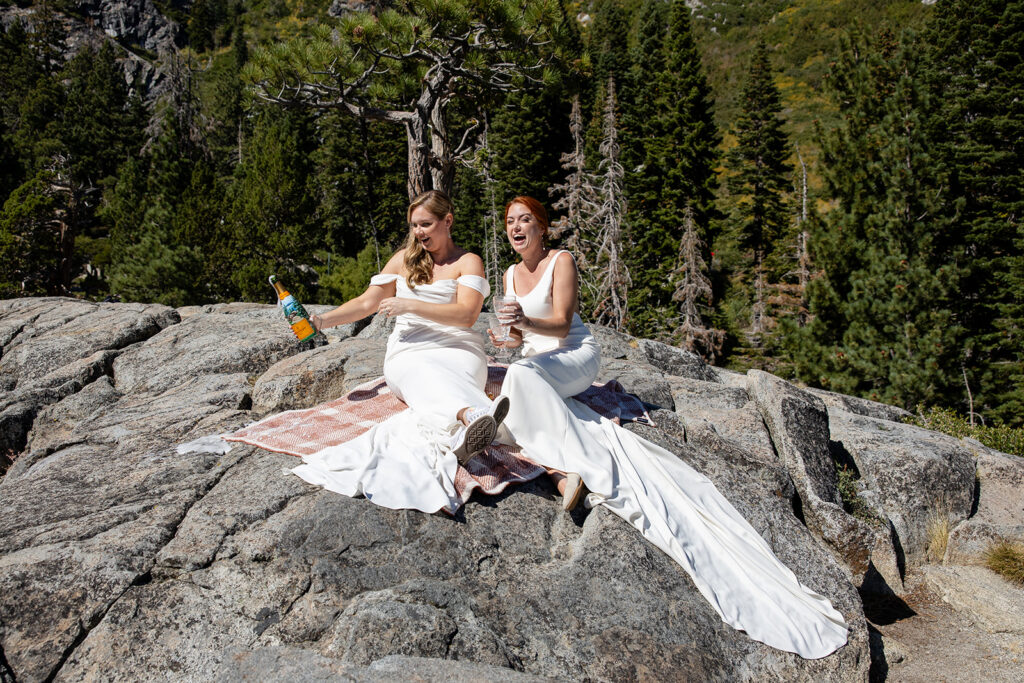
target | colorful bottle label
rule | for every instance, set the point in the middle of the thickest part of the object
(295, 314)
(303, 329)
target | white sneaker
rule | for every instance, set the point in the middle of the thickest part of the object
(470, 440)
(497, 410)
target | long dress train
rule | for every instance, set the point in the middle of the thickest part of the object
(675, 507)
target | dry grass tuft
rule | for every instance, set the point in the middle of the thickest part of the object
(938, 536)
(1007, 560)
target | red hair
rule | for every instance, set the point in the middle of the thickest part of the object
(535, 207)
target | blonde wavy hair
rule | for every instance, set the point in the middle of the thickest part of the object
(419, 265)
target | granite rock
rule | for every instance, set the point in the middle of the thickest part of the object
(121, 558)
(924, 481)
(999, 511)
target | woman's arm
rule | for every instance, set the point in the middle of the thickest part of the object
(366, 303)
(565, 289)
(463, 312)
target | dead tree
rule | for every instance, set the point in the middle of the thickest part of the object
(693, 287)
(612, 280)
(576, 194)
(492, 233)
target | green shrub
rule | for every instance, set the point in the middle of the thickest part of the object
(852, 502)
(1002, 438)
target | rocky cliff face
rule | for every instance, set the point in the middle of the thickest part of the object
(137, 27)
(123, 559)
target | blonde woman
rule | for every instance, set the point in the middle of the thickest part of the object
(434, 362)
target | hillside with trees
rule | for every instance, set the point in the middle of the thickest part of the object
(831, 191)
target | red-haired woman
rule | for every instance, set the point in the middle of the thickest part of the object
(434, 362)
(559, 351)
(671, 504)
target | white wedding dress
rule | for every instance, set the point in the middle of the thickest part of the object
(676, 508)
(405, 461)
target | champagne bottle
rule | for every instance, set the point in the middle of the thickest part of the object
(294, 313)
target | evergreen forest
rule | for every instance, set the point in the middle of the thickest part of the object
(831, 191)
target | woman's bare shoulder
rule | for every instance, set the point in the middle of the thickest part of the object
(564, 265)
(396, 263)
(470, 264)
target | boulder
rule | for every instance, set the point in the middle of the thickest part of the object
(799, 427)
(317, 376)
(294, 664)
(641, 379)
(248, 343)
(861, 406)
(53, 347)
(980, 596)
(55, 425)
(728, 410)
(668, 359)
(44, 336)
(923, 480)
(999, 513)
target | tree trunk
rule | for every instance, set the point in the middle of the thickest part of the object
(418, 143)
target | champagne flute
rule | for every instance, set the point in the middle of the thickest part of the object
(504, 322)
(500, 327)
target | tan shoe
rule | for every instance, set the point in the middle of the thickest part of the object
(575, 489)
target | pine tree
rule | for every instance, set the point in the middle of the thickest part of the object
(976, 78)
(608, 47)
(19, 73)
(494, 235)
(760, 171)
(10, 170)
(223, 107)
(884, 322)
(273, 208)
(98, 126)
(406, 68)
(684, 153)
(39, 224)
(608, 41)
(31, 96)
(642, 116)
(175, 135)
(201, 25)
(150, 207)
(361, 186)
(157, 268)
(526, 141)
(802, 273)
(124, 204)
(29, 239)
(758, 183)
(201, 216)
(577, 195)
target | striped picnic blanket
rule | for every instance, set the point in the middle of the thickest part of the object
(307, 431)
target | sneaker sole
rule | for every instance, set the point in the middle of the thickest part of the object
(479, 436)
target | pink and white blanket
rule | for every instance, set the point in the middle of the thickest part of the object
(307, 431)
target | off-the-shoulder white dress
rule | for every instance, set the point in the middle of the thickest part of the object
(405, 462)
(675, 507)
